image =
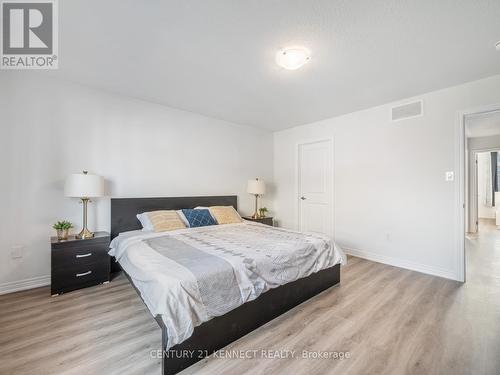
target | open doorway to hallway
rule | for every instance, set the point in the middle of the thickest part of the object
(483, 169)
(483, 196)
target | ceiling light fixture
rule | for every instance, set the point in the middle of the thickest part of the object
(497, 46)
(293, 58)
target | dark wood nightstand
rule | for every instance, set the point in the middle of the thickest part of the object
(264, 220)
(77, 264)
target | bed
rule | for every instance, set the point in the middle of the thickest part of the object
(206, 287)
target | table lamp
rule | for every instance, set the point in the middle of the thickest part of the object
(84, 186)
(257, 188)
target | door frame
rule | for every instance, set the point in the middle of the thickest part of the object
(461, 185)
(330, 141)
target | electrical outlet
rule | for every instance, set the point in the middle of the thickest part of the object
(449, 176)
(17, 251)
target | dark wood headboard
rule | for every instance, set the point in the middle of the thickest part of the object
(124, 210)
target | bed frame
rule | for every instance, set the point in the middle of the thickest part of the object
(220, 331)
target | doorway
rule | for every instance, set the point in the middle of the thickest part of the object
(482, 145)
(482, 197)
(315, 187)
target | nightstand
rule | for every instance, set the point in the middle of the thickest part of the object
(77, 264)
(263, 220)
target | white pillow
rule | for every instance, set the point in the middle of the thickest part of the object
(183, 218)
(147, 226)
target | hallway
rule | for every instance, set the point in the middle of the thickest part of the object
(483, 261)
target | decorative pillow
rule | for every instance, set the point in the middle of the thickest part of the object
(145, 222)
(198, 218)
(165, 220)
(205, 208)
(225, 214)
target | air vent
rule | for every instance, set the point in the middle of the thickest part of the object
(406, 111)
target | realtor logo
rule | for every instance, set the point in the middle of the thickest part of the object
(29, 34)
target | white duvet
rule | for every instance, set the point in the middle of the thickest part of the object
(191, 275)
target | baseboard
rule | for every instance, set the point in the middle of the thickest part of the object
(401, 263)
(16, 286)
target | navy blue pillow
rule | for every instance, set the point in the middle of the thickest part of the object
(198, 218)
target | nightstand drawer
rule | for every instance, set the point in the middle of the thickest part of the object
(71, 278)
(267, 221)
(263, 220)
(81, 255)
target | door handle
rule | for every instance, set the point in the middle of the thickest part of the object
(83, 274)
(303, 198)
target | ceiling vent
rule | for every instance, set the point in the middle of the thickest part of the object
(406, 111)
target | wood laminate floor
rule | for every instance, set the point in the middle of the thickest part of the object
(390, 320)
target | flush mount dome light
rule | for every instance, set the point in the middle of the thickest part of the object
(293, 58)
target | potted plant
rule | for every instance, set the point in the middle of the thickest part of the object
(263, 211)
(62, 228)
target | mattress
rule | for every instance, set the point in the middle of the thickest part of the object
(192, 275)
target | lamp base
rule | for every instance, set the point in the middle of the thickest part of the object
(85, 234)
(256, 213)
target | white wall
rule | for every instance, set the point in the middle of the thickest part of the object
(50, 129)
(483, 178)
(391, 201)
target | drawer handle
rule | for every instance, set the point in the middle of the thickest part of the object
(83, 274)
(83, 255)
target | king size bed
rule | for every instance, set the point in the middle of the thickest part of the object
(208, 286)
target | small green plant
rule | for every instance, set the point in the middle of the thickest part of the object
(62, 225)
(263, 211)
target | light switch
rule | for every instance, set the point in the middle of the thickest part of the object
(449, 176)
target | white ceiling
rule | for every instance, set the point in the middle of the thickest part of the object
(483, 125)
(217, 58)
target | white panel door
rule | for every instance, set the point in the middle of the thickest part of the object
(315, 187)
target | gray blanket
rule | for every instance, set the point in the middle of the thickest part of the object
(215, 276)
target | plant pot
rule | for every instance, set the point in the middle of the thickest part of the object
(62, 234)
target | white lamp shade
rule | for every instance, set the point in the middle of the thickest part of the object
(256, 187)
(82, 185)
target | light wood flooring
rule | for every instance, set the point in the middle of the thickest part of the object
(390, 320)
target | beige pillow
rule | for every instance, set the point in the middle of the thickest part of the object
(225, 214)
(165, 220)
